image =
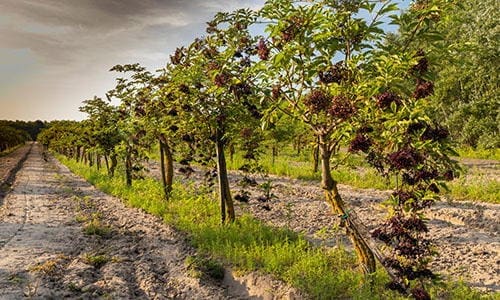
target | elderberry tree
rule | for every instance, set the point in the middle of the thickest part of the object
(329, 68)
(102, 122)
(215, 91)
(132, 91)
(315, 54)
(400, 139)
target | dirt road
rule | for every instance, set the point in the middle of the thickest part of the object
(61, 238)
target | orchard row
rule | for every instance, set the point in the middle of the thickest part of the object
(325, 69)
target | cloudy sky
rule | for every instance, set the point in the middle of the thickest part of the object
(56, 53)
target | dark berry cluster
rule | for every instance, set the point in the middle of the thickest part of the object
(415, 128)
(449, 175)
(399, 232)
(437, 133)
(385, 99)
(365, 129)
(241, 89)
(211, 66)
(420, 294)
(212, 27)
(405, 158)
(360, 143)
(262, 50)
(210, 52)
(317, 101)
(221, 79)
(413, 177)
(422, 65)
(177, 57)
(184, 88)
(341, 108)
(423, 89)
(289, 33)
(403, 196)
(337, 73)
(276, 92)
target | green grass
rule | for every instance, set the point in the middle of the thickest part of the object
(476, 185)
(479, 153)
(249, 245)
(356, 173)
(353, 172)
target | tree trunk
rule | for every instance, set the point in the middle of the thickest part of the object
(226, 202)
(128, 170)
(274, 154)
(84, 156)
(316, 157)
(107, 162)
(231, 152)
(333, 198)
(98, 161)
(89, 157)
(78, 149)
(167, 168)
(114, 163)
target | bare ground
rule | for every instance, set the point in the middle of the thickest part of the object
(50, 252)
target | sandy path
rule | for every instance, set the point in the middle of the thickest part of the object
(46, 254)
(466, 234)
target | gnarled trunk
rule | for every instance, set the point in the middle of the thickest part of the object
(333, 198)
(167, 167)
(226, 202)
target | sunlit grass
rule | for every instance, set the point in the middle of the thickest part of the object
(249, 245)
(356, 173)
(479, 153)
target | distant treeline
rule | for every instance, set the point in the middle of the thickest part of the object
(13, 133)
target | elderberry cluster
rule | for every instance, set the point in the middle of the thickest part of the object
(341, 108)
(405, 158)
(337, 73)
(385, 99)
(360, 143)
(262, 50)
(423, 89)
(317, 101)
(422, 65)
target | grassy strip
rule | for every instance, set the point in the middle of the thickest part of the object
(250, 245)
(476, 185)
(300, 166)
(479, 153)
(355, 173)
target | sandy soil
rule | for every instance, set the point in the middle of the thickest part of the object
(466, 234)
(49, 252)
(9, 164)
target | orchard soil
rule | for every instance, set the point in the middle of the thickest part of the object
(48, 250)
